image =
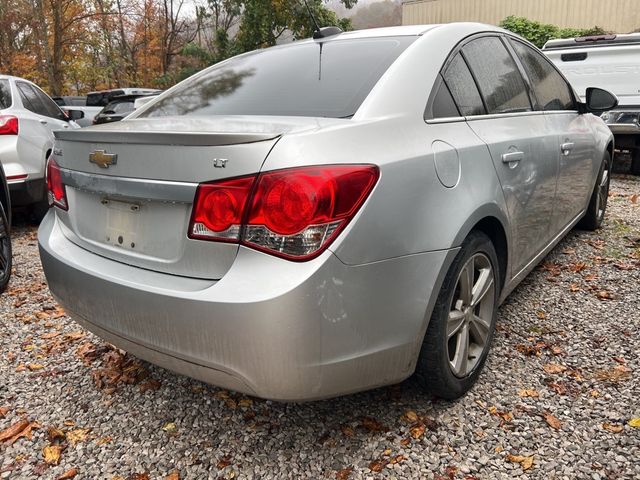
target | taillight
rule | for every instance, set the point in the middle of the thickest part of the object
(8, 125)
(218, 209)
(293, 213)
(57, 193)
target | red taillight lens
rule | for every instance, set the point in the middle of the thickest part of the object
(218, 208)
(8, 125)
(57, 192)
(294, 213)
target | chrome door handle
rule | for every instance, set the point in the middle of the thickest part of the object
(566, 148)
(512, 157)
(43, 122)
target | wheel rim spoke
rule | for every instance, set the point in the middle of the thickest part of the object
(479, 329)
(460, 359)
(482, 286)
(605, 178)
(466, 281)
(456, 321)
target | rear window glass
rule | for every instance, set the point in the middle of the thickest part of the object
(100, 99)
(5, 94)
(119, 107)
(328, 79)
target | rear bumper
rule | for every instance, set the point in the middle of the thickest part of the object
(27, 192)
(271, 328)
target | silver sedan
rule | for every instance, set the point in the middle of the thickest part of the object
(328, 216)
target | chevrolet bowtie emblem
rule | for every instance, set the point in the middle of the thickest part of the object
(102, 158)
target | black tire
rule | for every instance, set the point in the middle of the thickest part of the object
(5, 250)
(434, 370)
(594, 217)
(635, 162)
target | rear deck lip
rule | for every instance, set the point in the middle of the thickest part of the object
(141, 137)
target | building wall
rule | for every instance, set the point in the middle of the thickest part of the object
(621, 16)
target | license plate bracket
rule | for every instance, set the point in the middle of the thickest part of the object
(123, 223)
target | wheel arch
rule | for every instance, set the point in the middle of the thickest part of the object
(490, 220)
(5, 197)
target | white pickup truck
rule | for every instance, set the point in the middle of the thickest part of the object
(611, 62)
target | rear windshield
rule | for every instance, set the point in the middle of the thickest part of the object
(100, 99)
(328, 79)
(5, 94)
(119, 107)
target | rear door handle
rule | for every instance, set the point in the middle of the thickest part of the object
(43, 122)
(512, 157)
(566, 148)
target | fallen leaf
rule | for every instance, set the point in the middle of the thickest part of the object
(35, 366)
(568, 251)
(553, 368)
(613, 427)
(616, 374)
(397, 459)
(344, 474)
(13, 430)
(499, 449)
(104, 440)
(54, 434)
(530, 392)
(410, 416)
(417, 430)
(347, 431)
(552, 420)
(224, 462)
(140, 476)
(541, 315)
(78, 435)
(405, 441)
(378, 465)
(594, 393)
(52, 454)
(634, 198)
(577, 267)
(68, 474)
(150, 385)
(175, 475)
(634, 422)
(245, 402)
(604, 295)
(4, 411)
(574, 287)
(72, 337)
(49, 335)
(169, 427)
(525, 462)
(372, 425)
(387, 452)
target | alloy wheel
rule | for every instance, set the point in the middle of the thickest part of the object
(471, 315)
(603, 192)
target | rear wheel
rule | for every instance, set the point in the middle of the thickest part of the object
(5, 250)
(594, 217)
(461, 328)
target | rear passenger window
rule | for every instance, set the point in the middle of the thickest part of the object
(552, 92)
(463, 88)
(30, 100)
(498, 77)
(443, 105)
(5, 94)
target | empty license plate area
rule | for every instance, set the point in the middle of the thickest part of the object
(123, 224)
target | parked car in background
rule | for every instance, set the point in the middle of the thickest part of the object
(330, 215)
(118, 108)
(5, 232)
(611, 62)
(70, 101)
(78, 103)
(28, 118)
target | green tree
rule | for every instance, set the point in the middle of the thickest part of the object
(539, 33)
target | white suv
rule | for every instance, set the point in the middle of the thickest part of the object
(28, 117)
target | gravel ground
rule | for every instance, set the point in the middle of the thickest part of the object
(554, 401)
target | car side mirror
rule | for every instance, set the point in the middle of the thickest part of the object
(75, 114)
(600, 100)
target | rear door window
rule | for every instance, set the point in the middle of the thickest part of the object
(463, 88)
(551, 90)
(5, 94)
(50, 106)
(30, 99)
(498, 77)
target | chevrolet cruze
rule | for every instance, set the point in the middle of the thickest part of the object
(327, 216)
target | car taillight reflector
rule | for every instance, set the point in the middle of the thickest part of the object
(8, 125)
(293, 213)
(218, 209)
(56, 189)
